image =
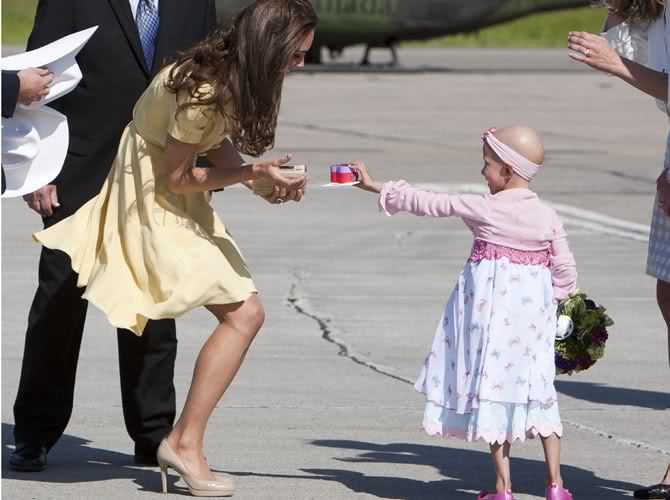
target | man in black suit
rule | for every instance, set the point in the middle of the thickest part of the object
(132, 42)
(25, 86)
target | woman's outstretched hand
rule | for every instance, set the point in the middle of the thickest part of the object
(365, 182)
(286, 188)
(594, 51)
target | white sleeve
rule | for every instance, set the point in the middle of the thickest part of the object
(630, 41)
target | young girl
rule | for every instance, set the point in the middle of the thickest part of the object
(490, 372)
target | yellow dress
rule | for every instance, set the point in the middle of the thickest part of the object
(141, 251)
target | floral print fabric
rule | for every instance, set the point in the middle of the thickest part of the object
(490, 371)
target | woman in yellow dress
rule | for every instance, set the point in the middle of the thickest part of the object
(150, 246)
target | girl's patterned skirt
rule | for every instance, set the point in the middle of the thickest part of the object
(490, 372)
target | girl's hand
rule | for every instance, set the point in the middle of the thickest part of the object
(269, 169)
(594, 51)
(365, 182)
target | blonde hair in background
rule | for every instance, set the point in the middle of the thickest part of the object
(635, 11)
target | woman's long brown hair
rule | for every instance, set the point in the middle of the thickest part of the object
(246, 65)
(636, 11)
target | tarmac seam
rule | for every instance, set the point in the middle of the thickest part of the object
(618, 439)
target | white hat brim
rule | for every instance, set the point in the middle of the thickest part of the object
(44, 168)
(59, 58)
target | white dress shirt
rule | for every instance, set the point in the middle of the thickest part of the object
(135, 3)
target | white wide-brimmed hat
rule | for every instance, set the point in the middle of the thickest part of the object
(34, 146)
(35, 140)
(59, 58)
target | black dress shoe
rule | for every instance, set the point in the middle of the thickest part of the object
(146, 458)
(28, 457)
(657, 491)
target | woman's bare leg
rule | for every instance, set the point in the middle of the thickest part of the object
(216, 366)
(666, 479)
(663, 300)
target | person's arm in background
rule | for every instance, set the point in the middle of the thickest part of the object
(594, 51)
(10, 92)
(10, 96)
(54, 19)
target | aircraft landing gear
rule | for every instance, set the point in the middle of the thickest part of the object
(390, 44)
(335, 53)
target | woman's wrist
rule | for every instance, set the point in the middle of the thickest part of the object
(248, 172)
(620, 70)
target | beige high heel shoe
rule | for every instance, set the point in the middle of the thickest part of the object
(167, 458)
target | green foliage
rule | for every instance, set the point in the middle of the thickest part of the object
(586, 345)
(17, 21)
(547, 30)
(539, 30)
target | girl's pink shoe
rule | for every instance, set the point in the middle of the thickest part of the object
(485, 495)
(556, 492)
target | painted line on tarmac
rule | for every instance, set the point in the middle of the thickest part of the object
(589, 220)
(298, 301)
(618, 439)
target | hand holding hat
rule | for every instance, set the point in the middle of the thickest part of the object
(34, 84)
(59, 58)
(35, 140)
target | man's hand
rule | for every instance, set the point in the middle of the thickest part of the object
(34, 84)
(43, 201)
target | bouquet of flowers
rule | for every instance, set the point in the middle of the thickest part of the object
(581, 333)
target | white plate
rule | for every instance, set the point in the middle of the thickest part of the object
(338, 184)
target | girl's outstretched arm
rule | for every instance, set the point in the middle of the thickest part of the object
(401, 197)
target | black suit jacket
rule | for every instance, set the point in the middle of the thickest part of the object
(114, 77)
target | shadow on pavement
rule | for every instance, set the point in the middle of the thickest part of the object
(73, 460)
(605, 394)
(464, 471)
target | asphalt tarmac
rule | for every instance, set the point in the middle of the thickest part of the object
(323, 407)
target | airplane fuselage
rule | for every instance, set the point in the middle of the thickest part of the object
(376, 22)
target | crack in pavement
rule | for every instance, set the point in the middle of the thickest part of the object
(297, 300)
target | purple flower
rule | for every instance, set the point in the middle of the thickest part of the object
(563, 364)
(599, 335)
(584, 361)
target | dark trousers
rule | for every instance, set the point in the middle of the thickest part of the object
(46, 390)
